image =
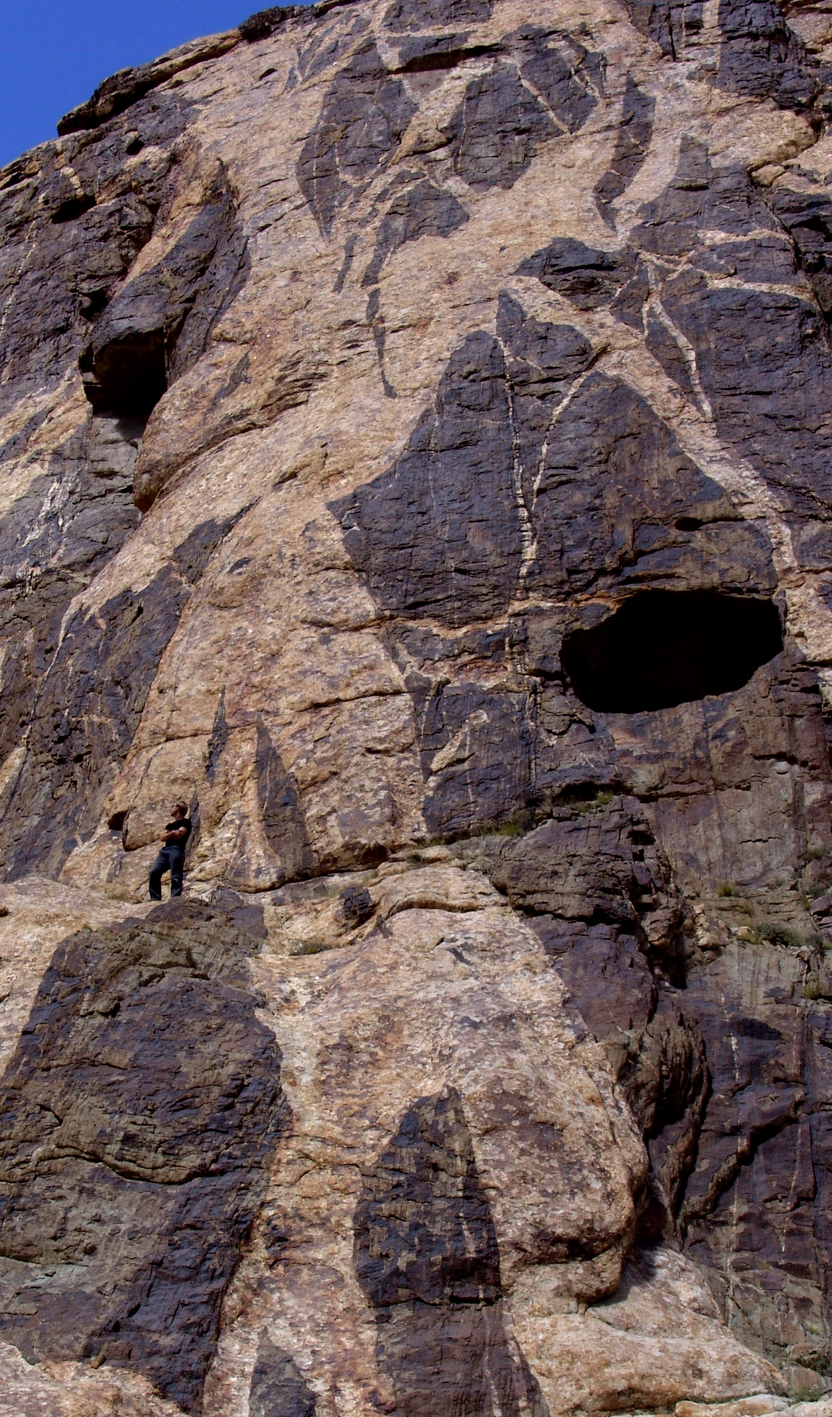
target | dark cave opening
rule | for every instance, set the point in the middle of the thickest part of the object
(663, 648)
(127, 376)
(438, 58)
(73, 208)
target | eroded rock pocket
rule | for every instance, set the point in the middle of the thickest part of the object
(159, 323)
(663, 648)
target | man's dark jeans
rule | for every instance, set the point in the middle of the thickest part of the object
(170, 858)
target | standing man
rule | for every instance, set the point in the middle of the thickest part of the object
(172, 856)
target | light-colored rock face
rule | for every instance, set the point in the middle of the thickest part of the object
(415, 427)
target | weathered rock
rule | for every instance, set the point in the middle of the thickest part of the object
(443, 1121)
(133, 1160)
(416, 422)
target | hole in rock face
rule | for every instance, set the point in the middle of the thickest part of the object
(72, 208)
(670, 647)
(439, 58)
(129, 375)
(577, 794)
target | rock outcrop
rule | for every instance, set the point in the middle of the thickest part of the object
(416, 432)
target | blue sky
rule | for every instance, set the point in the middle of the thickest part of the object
(53, 53)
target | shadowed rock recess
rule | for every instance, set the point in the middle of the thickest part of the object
(415, 448)
(661, 649)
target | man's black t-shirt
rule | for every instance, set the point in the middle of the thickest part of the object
(182, 841)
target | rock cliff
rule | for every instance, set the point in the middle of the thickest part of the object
(416, 442)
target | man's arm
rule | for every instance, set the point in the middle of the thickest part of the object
(176, 834)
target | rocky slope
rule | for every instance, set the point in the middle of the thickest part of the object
(416, 432)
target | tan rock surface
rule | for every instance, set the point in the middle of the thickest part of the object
(415, 424)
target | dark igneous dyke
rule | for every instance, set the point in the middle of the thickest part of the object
(138, 1117)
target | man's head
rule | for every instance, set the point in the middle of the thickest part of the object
(180, 809)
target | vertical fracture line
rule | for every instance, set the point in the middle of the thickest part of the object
(528, 543)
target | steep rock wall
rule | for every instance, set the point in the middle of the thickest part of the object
(415, 425)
